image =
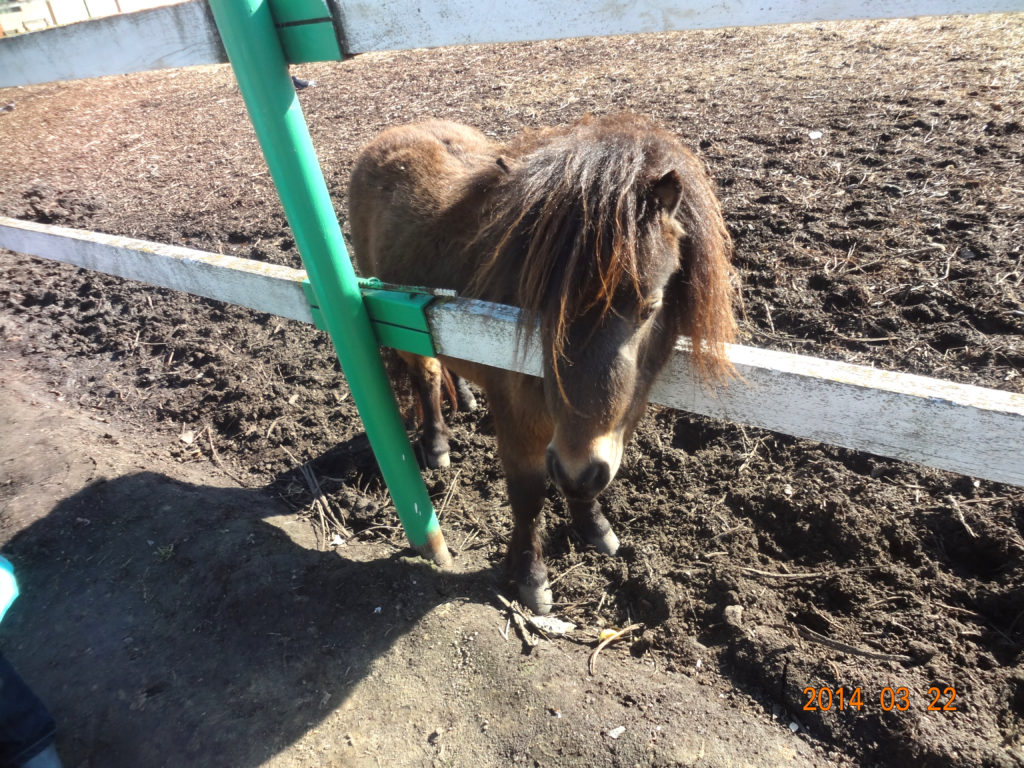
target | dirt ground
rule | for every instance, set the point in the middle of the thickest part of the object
(185, 603)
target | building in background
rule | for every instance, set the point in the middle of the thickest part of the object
(18, 16)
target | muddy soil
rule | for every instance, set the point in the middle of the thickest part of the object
(872, 177)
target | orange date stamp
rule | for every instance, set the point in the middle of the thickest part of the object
(889, 699)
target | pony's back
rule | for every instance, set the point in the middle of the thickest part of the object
(408, 203)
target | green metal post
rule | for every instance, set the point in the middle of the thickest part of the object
(254, 49)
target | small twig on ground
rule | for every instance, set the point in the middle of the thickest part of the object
(881, 600)
(592, 662)
(339, 522)
(866, 339)
(768, 316)
(751, 454)
(468, 539)
(960, 516)
(728, 531)
(517, 615)
(482, 526)
(925, 249)
(320, 501)
(322, 544)
(805, 576)
(814, 637)
(452, 487)
(218, 462)
(962, 611)
(985, 500)
(565, 573)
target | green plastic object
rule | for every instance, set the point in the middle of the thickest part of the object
(261, 68)
(306, 31)
(397, 315)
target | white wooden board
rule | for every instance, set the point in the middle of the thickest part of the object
(161, 38)
(267, 287)
(961, 428)
(958, 427)
(184, 35)
(401, 24)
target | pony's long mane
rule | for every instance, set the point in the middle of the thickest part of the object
(566, 231)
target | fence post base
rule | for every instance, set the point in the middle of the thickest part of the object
(435, 549)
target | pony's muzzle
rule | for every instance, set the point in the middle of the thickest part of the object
(585, 484)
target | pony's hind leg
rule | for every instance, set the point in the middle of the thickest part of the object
(594, 528)
(427, 374)
(464, 397)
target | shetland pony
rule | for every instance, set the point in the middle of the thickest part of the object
(608, 235)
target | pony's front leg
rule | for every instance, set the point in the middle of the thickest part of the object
(526, 491)
(593, 527)
(523, 432)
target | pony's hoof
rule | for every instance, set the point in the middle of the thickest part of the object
(607, 544)
(537, 598)
(594, 529)
(466, 400)
(439, 460)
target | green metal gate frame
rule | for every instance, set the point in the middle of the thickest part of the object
(262, 37)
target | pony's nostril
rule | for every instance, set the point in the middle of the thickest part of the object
(595, 479)
(587, 485)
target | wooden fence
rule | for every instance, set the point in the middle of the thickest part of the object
(897, 415)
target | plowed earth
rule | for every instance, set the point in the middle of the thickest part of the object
(872, 175)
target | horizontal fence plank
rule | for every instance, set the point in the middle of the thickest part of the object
(254, 284)
(160, 38)
(962, 428)
(971, 430)
(401, 24)
(185, 34)
(957, 427)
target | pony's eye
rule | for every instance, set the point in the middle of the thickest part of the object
(648, 308)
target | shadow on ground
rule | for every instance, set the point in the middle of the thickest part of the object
(168, 621)
(194, 614)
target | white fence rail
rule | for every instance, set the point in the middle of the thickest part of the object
(400, 24)
(957, 427)
(185, 35)
(162, 38)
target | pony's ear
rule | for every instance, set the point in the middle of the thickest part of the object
(667, 191)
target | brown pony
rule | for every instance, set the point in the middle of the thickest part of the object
(609, 237)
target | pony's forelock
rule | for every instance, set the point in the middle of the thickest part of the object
(569, 223)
